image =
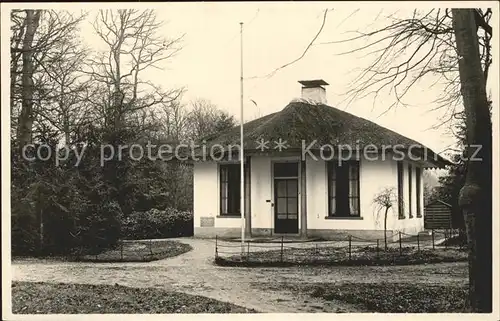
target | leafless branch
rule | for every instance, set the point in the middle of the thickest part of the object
(408, 50)
(272, 73)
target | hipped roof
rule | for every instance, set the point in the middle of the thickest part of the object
(305, 121)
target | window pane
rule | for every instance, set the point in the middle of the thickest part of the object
(292, 188)
(233, 173)
(353, 170)
(234, 201)
(353, 188)
(410, 192)
(400, 190)
(333, 189)
(332, 205)
(292, 205)
(281, 205)
(223, 173)
(292, 216)
(353, 206)
(224, 191)
(281, 188)
(417, 181)
(223, 206)
(230, 188)
(286, 169)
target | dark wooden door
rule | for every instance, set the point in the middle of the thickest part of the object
(286, 205)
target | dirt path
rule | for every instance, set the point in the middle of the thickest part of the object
(194, 273)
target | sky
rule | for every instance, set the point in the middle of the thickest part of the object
(208, 66)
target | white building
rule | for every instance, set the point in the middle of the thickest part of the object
(303, 189)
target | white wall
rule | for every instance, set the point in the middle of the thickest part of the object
(205, 191)
(261, 190)
(374, 176)
(206, 196)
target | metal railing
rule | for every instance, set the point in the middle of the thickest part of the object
(351, 248)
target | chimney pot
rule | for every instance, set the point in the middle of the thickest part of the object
(314, 90)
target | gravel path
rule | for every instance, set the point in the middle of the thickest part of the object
(194, 273)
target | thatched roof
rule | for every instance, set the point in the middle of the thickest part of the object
(302, 121)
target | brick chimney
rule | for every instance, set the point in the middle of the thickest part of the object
(314, 90)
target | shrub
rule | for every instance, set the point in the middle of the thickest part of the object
(24, 235)
(458, 240)
(157, 223)
(100, 227)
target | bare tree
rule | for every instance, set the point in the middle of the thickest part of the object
(475, 196)
(408, 50)
(36, 40)
(385, 200)
(29, 27)
(455, 49)
(205, 119)
(68, 108)
(174, 121)
(133, 43)
(18, 28)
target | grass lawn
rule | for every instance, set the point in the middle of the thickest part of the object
(49, 298)
(139, 251)
(367, 255)
(393, 297)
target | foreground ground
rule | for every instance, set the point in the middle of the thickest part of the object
(388, 297)
(31, 298)
(194, 273)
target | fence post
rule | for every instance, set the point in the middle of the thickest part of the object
(433, 246)
(418, 242)
(400, 245)
(216, 254)
(151, 246)
(281, 254)
(378, 249)
(121, 250)
(445, 238)
(350, 247)
(248, 249)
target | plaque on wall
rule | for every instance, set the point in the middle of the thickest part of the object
(207, 221)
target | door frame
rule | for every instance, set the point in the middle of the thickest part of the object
(293, 159)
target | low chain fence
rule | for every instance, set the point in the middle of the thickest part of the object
(400, 248)
(129, 251)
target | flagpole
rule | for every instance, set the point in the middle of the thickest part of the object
(242, 159)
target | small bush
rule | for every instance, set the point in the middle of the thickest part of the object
(458, 240)
(157, 223)
(100, 228)
(24, 236)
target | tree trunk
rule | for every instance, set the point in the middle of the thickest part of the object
(25, 125)
(475, 195)
(385, 228)
(14, 74)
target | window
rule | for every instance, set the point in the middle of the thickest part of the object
(418, 181)
(401, 213)
(230, 189)
(410, 196)
(283, 170)
(343, 189)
